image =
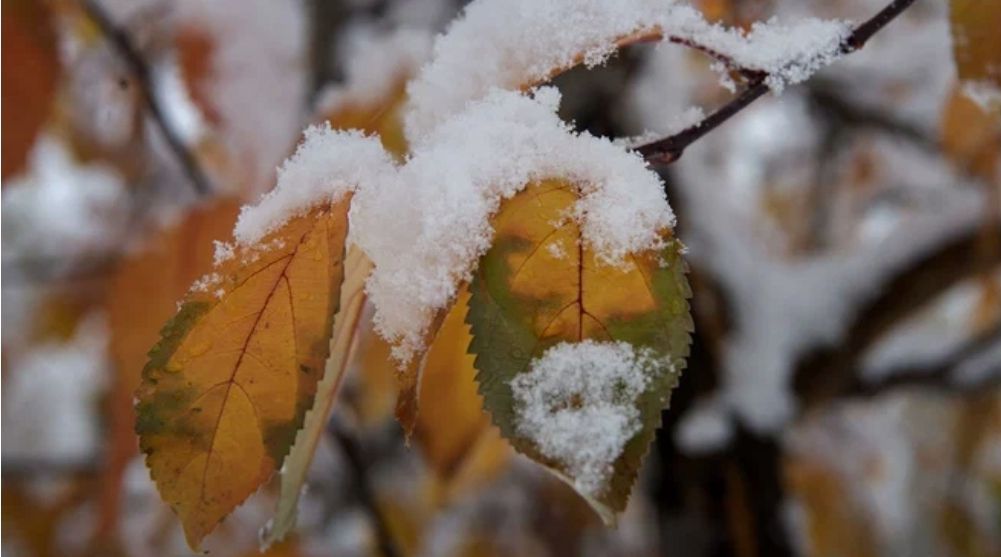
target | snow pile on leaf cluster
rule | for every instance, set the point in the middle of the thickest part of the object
(578, 404)
(477, 138)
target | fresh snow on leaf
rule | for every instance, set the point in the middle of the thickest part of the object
(515, 44)
(578, 404)
(326, 165)
(426, 229)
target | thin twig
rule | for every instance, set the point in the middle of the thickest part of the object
(670, 149)
(352, 453)
(122, 43)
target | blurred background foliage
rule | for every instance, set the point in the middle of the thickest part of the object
(842, 398)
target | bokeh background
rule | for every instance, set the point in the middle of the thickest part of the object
(843, 397)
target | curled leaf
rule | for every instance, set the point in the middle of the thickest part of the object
(542, 287)
(228, 385)
(293, 475)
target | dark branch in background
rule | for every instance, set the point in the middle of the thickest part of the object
(670, 149)
(366, 496)
(829, 373)
(123, 45)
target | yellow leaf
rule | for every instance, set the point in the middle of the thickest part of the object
(227, 387)
(452, 429)
(145, 289)
(971, 136)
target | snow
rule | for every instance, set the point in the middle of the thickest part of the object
(705, 427)
(515, 44)
(577, 403)
(50, 403)
(62, 209)
(325, 166)
(257, 79)
(426, 229)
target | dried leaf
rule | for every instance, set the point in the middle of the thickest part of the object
(541, 285)
(228, 386)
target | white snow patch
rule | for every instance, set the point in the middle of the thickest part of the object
(50, 405)
(258, 79)
(705, 427)
(514, 44)
(426, 229)
(578, 404)
(326, 165)
(62, 209)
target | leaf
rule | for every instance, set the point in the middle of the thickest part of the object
(227, 387)
(452, 429)
(31, 61)
(293, 476)
(977, 43)
(971, 136)
(146, 286)
(539, 285)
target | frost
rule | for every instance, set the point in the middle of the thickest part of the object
(326, 165)
(515, 44)
(577, 403)
(426, 229)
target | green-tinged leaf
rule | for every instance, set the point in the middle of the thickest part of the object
(540, 286)
(228, 386)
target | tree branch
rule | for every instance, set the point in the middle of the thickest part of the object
(123, 45)
(828, 373)
(356, 464)
(670, 148)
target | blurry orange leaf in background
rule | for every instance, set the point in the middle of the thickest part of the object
(228, 386)
(976, 40)
(31, 68)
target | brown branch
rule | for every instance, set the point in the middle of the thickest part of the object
(670, 148)
(363, 486)
(938, 375)
(126, 49)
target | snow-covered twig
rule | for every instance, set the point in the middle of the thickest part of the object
(122, 43)
(670, 149)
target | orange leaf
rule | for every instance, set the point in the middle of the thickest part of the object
(228, 386)
(31, 63)
(452, 427)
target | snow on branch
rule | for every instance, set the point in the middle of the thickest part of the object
(518, 44)
(669, 149)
